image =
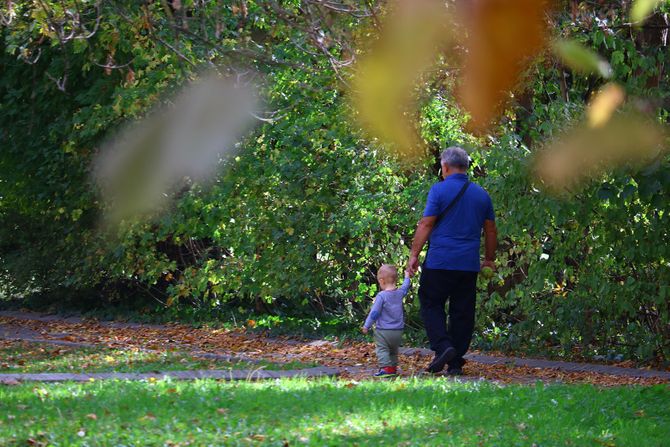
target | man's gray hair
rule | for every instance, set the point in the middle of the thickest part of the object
(455, 157)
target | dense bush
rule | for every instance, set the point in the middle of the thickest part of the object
(307, 208)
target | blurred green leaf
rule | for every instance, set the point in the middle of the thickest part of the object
(582, 59)
(641, 9)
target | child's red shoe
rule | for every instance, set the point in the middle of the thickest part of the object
(387, 371)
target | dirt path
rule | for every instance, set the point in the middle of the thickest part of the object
(353, 360)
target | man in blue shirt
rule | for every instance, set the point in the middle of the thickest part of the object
(452, 262)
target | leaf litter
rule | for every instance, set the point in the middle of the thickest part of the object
(355, 358)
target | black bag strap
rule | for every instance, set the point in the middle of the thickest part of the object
(453, 202)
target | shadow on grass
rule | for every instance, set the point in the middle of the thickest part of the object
(330, 412)
(29, 357)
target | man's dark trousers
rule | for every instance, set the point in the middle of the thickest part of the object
(460, 289)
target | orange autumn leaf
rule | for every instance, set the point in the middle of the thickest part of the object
(414, 34)
(586, 152)
(503, 38)
(604, 104)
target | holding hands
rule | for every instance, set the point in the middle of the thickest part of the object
(412, 266)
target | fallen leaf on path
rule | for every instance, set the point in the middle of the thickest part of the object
(357, 357)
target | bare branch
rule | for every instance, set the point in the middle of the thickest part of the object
(34, 60)
(98, 18)
(60, 82)
(113, 66)
(157, 38)
(7, 19)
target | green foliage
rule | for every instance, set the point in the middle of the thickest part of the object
(306, 210)
(587, 271)
(582, 273)
(304, 213)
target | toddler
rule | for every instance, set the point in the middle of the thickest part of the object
(387, 313)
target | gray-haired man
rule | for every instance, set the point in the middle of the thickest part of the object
(456, 212)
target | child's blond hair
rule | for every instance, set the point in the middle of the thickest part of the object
(387, 272)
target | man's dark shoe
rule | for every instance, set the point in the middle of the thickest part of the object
(455, 371)
(440, 360)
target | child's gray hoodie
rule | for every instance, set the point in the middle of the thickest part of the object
(387, 308)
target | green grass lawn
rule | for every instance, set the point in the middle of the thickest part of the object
(332, 412)
(23, 357)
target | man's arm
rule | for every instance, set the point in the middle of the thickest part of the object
(490, 243)
(423, 230)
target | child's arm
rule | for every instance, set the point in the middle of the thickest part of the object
(375, 312)
(406, 284)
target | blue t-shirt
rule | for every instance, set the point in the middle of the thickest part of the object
(455, 240)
